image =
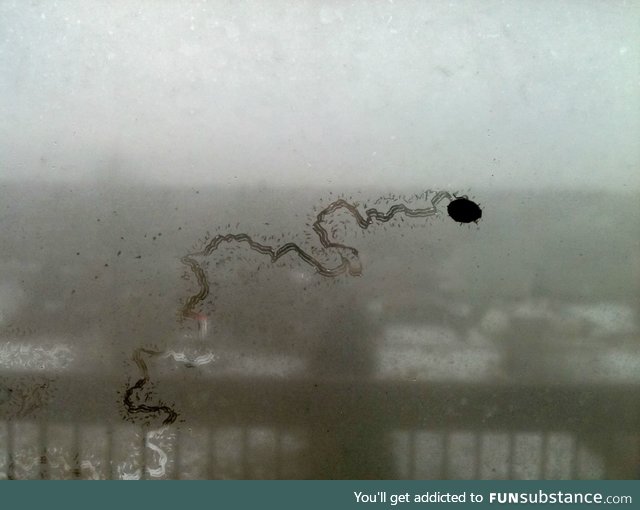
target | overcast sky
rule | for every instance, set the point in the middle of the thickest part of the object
(342, 93)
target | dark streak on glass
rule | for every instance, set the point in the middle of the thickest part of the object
(354, 268)
(44, 461)
(350, 263)
(10, 449)
(135, 407)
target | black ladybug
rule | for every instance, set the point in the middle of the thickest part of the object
(464, 210)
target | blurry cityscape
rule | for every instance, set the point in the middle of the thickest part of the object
(506, 349)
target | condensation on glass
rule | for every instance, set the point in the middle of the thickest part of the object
(319, 240)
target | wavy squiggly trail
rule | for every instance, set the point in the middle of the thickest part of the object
(135, 408)
(353, 267)
(350, 265)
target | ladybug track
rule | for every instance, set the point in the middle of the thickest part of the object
(349, 263)
(353, 267)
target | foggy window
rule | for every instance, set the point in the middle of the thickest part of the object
(319, 240)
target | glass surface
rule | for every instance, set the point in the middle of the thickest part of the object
(244, 240)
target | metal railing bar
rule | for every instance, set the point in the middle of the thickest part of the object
(11, 474)
(544, 454)
(477, 455)
(411, 457)
(211, 457)
(511, 457)
(244, 452)
(42, 448)
(278, 454)
(444, 461)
